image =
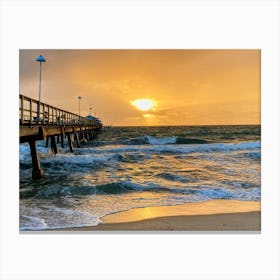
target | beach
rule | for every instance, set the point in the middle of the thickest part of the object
(214, 215)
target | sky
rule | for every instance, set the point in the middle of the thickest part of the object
(181, 87)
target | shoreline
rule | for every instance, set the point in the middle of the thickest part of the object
(213, 215)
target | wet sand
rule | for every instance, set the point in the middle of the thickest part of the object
(214, 215)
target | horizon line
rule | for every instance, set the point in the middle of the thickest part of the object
(180, 125)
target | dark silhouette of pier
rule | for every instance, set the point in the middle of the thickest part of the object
(41, 121)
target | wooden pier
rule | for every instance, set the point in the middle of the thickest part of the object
(53, 125)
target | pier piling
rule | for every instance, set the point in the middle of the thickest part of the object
(53, 144)
(76, 137)
(62, 137)
(37, 172)
(70, 143)
(47, 142)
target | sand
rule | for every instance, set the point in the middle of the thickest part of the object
(214, 215)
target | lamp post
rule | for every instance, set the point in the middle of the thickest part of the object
(90, 109)
(40, 59)
(79, 97)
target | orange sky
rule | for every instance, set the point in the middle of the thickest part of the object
(190, 87)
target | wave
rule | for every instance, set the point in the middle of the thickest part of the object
(254, 155)
(102, 157)
(54, 218)
(242, 191)
(216, 147)
(144, 140)
(181, 140)
(141, 144)
(219, 147)
(220, 193)
(32, 223)
(60, 191)
(150, 140)
(173, 177)
(129, 157)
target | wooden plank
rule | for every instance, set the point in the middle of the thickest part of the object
(29, 131)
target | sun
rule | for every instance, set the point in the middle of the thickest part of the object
(143, 104)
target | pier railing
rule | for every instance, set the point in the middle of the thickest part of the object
(49, 115)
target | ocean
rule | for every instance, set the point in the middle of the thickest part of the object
(131, 167)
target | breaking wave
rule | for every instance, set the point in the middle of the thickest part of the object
(150, 140)
(118, 188)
